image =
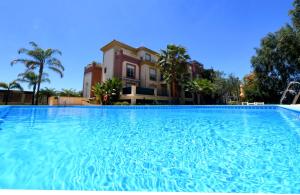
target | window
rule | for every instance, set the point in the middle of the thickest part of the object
(147, 57)
(130, 71)
(105, 70)
(152, 74)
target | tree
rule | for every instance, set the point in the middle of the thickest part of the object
(40, 59)
(99, 90)
(251, 89)
(295, 14)
(32, 79)
(8, 87)
(69, 93)
(200, 87)
(277, 60)
(173, 63)
(221, 88)
(113, 88)
(233, 87)
(225, 88)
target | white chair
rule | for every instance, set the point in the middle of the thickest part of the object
(259, 103)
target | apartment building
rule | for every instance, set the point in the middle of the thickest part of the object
(137, 68)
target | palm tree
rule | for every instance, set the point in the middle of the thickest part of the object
(48, 92)
(40, 59)
(69, 93)
(113, 88)
(200, 86)
(173, 65)
(99, 90)
(8, 87)
(32, 79)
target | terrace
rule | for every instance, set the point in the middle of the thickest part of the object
(135, 93)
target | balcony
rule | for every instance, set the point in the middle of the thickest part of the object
(144, 91)
(152, 61)
(139, 91)
(162, 93)
(126, 90)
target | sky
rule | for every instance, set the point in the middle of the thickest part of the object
(221, 34)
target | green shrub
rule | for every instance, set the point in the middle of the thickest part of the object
(121, 103)
(233, 103)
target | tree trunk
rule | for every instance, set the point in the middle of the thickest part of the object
(174, 92)
(48, 99)
(33, 94)
(39, 84)
(174, 89)
(7, 95)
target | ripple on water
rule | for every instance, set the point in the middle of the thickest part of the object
(192, 150)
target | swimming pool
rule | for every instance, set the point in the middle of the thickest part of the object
(140, 148)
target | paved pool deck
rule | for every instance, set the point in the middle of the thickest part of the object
(291, 107)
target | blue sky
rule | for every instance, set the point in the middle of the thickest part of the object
(221, 34)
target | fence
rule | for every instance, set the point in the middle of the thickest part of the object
(66, 100)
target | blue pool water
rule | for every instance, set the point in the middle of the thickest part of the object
(197, 149)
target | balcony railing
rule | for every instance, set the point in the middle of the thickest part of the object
(162, 93)
(144, 91)
(148, 60)
(126, 90)
(139, 90)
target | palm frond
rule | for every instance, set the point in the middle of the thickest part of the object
(30, 64)
(22, 50)
(50, 52)
(3, 85)
(37, 54)
(58, 71)
(44, 80)
(33, 44)
(55, 63)
(15, 85)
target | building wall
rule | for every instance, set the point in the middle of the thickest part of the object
(142, 54)
(129, 53)
(145, 77)
(96, 77)
(66, 101)
(87, 83)
(16, 97)
(120, 67)
(108, 64)
(92, 75)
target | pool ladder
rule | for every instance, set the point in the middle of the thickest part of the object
(288, 90)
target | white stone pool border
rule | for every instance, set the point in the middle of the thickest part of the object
(291, 107)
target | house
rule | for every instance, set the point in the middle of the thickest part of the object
(138, 71)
